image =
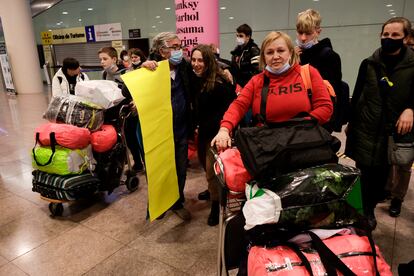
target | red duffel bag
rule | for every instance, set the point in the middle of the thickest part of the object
(68, 136)
(103, 139)
(235, 174)
(354, 251)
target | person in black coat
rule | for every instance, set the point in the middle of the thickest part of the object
(213, 95)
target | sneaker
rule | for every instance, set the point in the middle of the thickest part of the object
(183, 213)
(204, 195)
(395, 207)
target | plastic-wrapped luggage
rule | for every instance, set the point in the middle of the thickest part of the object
(354, 251)
(76, 111)
(69, 187)
(62, 161)
(67, 136)
(308, 198)
(104, 93)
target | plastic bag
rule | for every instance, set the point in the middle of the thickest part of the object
(312, 198)
(104, 93)
(76, 111)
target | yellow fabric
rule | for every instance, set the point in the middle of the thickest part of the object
(151, 92)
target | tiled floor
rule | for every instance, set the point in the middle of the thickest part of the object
(108, 235)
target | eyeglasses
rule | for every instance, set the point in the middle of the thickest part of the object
(173, 47)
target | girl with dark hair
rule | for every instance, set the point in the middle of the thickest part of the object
(213, 95)
(137, 58)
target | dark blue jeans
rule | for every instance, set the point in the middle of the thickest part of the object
(181, 162)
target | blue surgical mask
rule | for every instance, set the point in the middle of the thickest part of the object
(176, 57)
(279, 71)
(305, 45)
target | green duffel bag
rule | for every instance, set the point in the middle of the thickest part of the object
(58, 160)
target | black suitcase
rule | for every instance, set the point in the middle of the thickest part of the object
(68, 187)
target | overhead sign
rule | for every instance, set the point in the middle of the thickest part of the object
(70, 35)
(90, 33)
(134, 33)
(46, 38)
(106, 32)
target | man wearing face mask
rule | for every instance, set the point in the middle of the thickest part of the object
(319, 54)
(65, 79)
(245, 57)
(167, 46)
(382, 105)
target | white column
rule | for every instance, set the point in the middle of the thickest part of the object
(20, 41)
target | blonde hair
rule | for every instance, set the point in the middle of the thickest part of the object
(308, 20)
(272, 36)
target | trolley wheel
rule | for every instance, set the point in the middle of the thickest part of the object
(56, 209)
(132, 183)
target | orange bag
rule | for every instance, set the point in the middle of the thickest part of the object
(104, 139)
(235, 174)
(68, 136)
(353, 250)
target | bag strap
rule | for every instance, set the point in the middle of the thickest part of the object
(300, 254)
(52, 146)
(330, 261)
(374, 252)
(306, 78)
(265, 92)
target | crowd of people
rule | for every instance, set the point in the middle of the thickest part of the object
(212, 97)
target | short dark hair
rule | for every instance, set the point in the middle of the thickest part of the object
(245, 29)
(406, 24)
(70, 63)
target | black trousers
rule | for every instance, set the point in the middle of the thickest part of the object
(373, 182)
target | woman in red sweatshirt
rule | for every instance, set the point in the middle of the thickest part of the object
(287, 96)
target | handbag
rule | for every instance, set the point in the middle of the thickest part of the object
(400, 153)
(274, 149)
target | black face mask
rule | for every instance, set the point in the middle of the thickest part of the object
(390, 45)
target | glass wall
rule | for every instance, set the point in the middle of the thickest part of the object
(353, 25)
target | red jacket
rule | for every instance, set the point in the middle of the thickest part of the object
(287, 98)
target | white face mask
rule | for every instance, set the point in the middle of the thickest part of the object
(279, 71)
(126, 58)
(240, 41)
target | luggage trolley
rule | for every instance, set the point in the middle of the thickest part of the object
(106, 177)
(231, 242)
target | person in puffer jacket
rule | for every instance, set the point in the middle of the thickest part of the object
(287, 97)
(65, 79)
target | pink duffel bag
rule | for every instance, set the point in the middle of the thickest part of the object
(68, 136)
(103, 139)
(353, 250)
(234, 173)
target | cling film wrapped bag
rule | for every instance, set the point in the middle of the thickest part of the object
(62, 161)
(76, 111)
(309, 198)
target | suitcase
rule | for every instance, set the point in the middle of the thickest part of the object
(70, 187)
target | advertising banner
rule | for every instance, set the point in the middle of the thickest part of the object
(197, 22)
(6, 69)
